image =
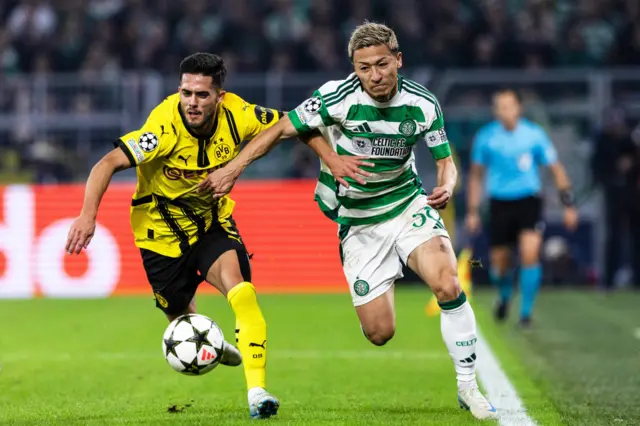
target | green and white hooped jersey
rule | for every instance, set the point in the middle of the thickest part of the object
(355, 124)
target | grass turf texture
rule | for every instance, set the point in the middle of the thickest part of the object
(100, 362)
(581, 358)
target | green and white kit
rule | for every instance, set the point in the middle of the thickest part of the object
(383, 221)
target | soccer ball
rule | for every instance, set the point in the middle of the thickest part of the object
(192, 344)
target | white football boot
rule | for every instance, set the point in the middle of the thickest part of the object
(262, 404)
(472, 400)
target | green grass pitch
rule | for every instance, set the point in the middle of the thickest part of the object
(100, 362)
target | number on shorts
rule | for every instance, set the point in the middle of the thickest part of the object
(420, 218)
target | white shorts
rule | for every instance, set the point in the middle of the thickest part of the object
(373, 255)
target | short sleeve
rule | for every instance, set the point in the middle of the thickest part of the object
(479, 155)
(544, 152)
(436, 136)
(256, 118)
(311, 114)
(156, 138)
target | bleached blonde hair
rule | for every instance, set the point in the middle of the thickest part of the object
(372, 34)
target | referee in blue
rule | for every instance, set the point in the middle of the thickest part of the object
(507, 153)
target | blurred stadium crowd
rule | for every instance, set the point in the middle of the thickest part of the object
(77, 66)
(89, 41)
(310, 35)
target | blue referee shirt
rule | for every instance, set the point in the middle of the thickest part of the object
(512, 158)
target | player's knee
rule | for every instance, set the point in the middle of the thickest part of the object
(174, 305)
(381, 334)
(529, 259)
(449, 288)
(191, 309)
(500, 269)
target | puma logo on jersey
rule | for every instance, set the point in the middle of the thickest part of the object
(162, 132)
(184, 159)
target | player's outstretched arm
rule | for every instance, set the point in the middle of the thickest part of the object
(220, 181)
(447, 177)
(341, 166)
(566, 195)
(83, 227)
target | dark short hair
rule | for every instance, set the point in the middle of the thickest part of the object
(509, 90)
(206, 64)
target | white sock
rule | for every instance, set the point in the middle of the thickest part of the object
(458, 326)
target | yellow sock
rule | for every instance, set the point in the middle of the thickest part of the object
(251, 333)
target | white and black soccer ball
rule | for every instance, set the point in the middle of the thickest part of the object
(148, 142)
(192, 344)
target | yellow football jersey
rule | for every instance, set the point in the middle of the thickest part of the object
(167, 215)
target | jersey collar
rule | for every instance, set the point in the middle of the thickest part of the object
(515, 129)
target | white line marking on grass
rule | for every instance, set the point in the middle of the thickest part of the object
(499, 389)
(636, 333)
(273, 353)
(358, 355)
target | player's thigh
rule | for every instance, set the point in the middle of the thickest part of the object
(223, 259)
(424, 246)
(503, 223)
(174, 282)
(434, 261)
(191, 309)
(503, 233)
(530, 230)
(228, 270)
(371, 266)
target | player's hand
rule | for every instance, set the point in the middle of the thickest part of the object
(570, 218)
(439, 198)
(80, 234)
(219, 182)
(472, 223)
(343, 166)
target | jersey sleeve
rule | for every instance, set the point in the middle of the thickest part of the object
(311, 114)
(156, 138)
(479, 155)
(436, 136)
(256, 118)
(544, 152)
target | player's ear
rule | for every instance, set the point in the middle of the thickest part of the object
(399, 59)
(221, 94)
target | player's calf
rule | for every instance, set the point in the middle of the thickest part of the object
(530, 272)
(435, 262)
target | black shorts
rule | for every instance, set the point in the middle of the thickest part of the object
(508, 218)
(175, 279)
